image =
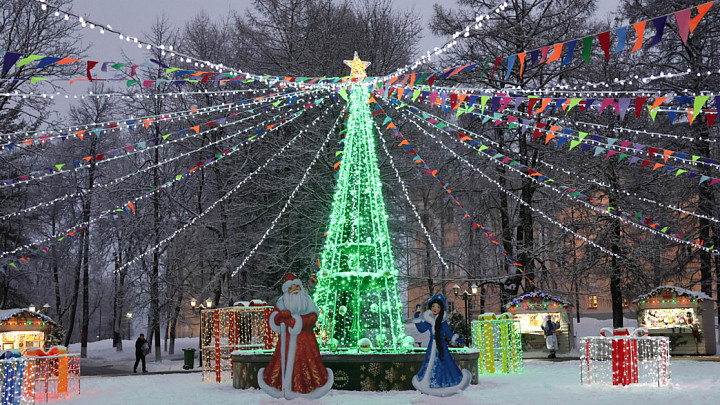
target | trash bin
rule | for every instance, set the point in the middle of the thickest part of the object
(189, 358)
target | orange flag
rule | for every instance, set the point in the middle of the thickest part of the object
(640, 31)
(557, 51)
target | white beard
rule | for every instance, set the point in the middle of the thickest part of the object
(298, 303)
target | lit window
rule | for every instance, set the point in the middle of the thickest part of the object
(625, 303)
(592, 302)
(450, 306)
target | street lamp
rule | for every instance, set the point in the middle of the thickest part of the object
(466, 296)
(207, 304)
(31, 308)
(128, 317)
(45, 308)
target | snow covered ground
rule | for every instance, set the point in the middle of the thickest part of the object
(105, 359)
(693, 382)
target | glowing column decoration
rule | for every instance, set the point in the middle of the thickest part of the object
(499, 341)
(625, 356)
(16, 379)
(357, 290)
(224, 330)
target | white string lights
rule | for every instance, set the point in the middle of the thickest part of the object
(141, 44)
(465, 32)
(607, 145)
(562, 194)
(44, 136)
(121, 206)
(218, 201)
(512, 195)
(97, 187)
(165, 50)
(578, 175)
(83, 164)
(289, 200)
(409, 200)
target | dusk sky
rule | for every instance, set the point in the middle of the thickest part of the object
(134, 17)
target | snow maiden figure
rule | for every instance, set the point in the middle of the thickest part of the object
(439, 375)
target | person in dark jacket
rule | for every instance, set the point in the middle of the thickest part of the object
(141, 345)
(550, 329)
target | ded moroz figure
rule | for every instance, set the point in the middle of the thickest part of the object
(295, 369)
(439, 375)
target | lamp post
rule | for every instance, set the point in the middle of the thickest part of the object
(207, 304)
(31, 308)
(128, 319)
(466, 296)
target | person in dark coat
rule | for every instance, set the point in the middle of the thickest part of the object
(141, 345)
(550, 330)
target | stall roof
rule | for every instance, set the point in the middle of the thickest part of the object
(6, 314)
(679, 291)
(534, 294)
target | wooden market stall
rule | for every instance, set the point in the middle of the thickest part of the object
(20, 328)
(531, 309)
(684, 316)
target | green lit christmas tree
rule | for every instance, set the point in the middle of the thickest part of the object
(357, 289)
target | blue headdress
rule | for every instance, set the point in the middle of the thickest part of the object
(438, 297)
(438, 322)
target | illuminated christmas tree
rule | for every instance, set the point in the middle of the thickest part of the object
(357, 283)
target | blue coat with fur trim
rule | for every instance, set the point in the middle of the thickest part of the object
(436, 376)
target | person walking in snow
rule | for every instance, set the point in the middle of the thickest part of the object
(439, 375)
(141, 347)
(550, 329)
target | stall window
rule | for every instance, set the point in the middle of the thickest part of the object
(592, 302)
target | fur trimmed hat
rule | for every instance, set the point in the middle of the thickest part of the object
(290, 279)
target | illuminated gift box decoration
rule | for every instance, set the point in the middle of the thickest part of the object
(223, 330)
(625, 356)
(499, 341)
(16, 378)
(57, 373)
(679, 314)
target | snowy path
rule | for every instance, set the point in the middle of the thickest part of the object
(693, 382)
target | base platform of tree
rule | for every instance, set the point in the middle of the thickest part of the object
(356, 371)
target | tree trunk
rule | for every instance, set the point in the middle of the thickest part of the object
(155, 271)
(87, 205)
(616, 270)
(74, 299)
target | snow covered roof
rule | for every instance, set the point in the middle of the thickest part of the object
(534, 294)
(251, 303)
(6, 314)
(677, 290)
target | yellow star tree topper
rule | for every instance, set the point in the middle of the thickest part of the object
(358, 67)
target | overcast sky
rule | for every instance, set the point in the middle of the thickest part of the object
(134, 17)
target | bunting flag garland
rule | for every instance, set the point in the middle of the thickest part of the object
(43, 137)
(596, 141)
(49, 241)
(684, 24)
(640, 221)
(228, 195)
(390, 127)
(256, 127)
(117, 153)
(501, 100)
